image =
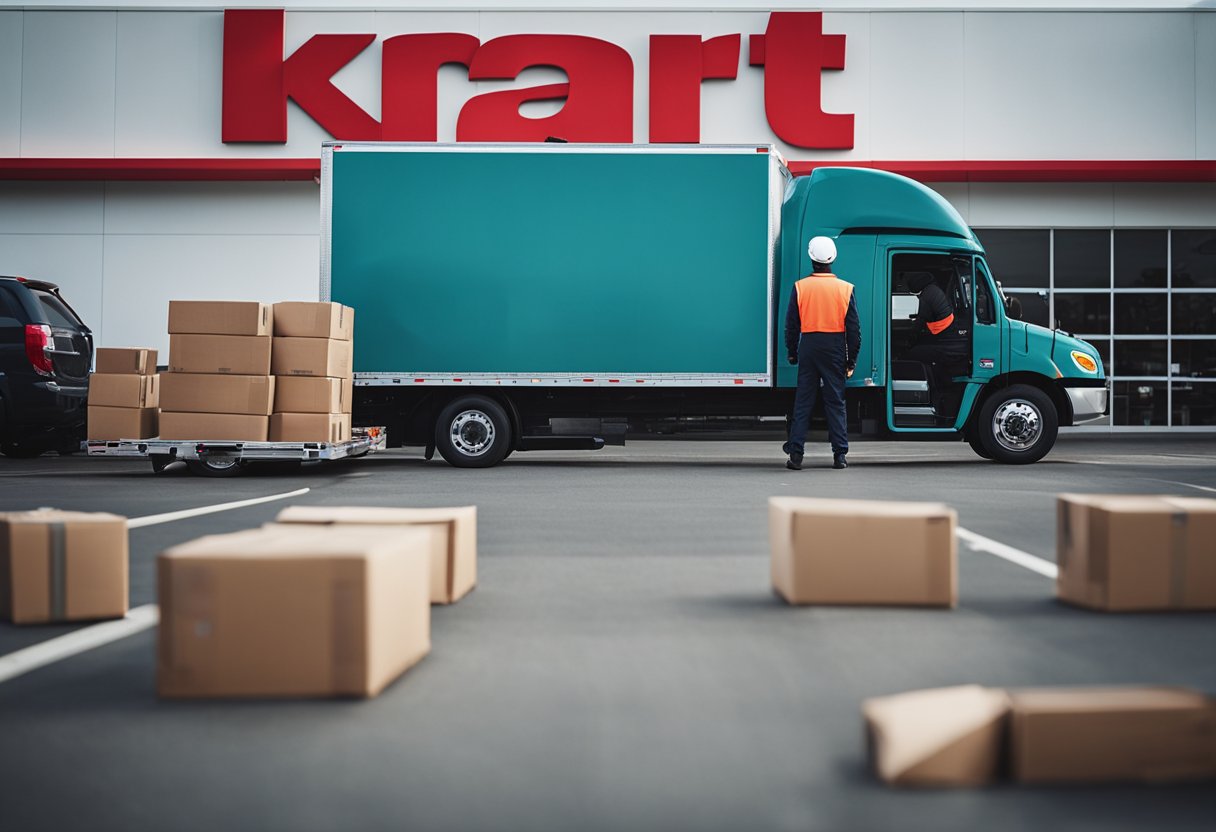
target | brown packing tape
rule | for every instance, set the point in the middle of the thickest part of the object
(1097, 572)
(937, 571)
(1178, 548)
(57, 547)
(347, 659)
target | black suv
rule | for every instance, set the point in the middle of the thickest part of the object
(45, 355)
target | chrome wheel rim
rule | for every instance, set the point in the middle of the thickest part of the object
(1017, 425)
(472, 432)
(220, 463)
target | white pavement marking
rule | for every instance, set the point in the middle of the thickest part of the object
(979, 543)
(137, 620)
(1189, 485)
(169, 517)
(80, 641)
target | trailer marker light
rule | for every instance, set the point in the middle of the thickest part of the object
(614, 381)
(419, 380)
(641, 381)
(588, 380)
(738, 381)
(1084, 361)
(457, 379)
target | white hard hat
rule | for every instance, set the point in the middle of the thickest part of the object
(822, 249)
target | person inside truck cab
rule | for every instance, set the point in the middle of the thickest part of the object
(942, 342)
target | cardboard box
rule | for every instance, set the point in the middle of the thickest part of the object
(108, 390)
(201, 393)
(309, 427)
(292, 613)
(1112, 734)
(214, 427)
(238, 355)
(943, 737)
(314, 320)
(113, 423)
(312, 357)
(312, 394)
(863, 552)
(125, 361)
(220, 317)
(1123, 553)
(454, 556)
(62, 566)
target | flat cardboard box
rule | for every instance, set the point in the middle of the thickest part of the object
(214, 427)
(312, 357)
(310, 427)
(114, 423)
(312, 394)
(220, 317)
(125, 361)
(863, 552)
(204, 393)
(1123, 553)
(314, 320)
(1099, 735)
(454, 556)
(62, 566)
(238, 355)
(110, 390)
(942, 737)
(278, 612)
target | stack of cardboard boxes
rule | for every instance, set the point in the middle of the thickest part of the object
(219, 385)
(124, 394)
(312, 363)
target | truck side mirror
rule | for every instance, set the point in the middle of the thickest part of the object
(1013, 309)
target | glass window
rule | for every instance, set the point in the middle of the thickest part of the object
(1083, 313)
(1194, 404)
(1195, 358)
(1034, 307)
(1140, 314)
(1140, 358)
(1140, 259)
(1194, 313)
(1194, 255)
(985, 309)
(1102, 345)
(1018, 257)
(1139, 403)
(1083, 259)
(57, 312)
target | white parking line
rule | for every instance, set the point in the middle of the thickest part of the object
(1189, 485)
(57, 649)
(137, 620)
(979, 543)
(170, 516)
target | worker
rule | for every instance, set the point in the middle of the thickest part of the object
(941, 343)
(822, 336)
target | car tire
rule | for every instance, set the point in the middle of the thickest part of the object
(473, 432)
(215, 467)
(1018, 424)
(22, 450)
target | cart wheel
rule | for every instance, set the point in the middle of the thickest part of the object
(215, 466)
(160, 462)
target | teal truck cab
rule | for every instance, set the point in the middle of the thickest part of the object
(528, 297)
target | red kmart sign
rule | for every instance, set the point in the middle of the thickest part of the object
(259, 78)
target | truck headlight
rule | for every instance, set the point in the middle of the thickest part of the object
(1084, 361)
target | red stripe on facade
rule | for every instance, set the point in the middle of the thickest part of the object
(251, 170)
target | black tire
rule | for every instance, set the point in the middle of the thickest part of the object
(1018, 424)
(979, 448)
(473, 432)
(215, 467)
(23, 450)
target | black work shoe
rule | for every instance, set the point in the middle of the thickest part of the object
(794, 463)
(839, 462)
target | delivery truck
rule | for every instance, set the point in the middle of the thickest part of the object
(547, 296)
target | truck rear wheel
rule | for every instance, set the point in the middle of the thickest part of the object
(473, 432)
(1017, 425)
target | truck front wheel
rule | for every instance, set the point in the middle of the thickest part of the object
(473, 432)
(1017, 425)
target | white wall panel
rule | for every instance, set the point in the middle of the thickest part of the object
(73, 261)
(169, 72)
(51, 208)
(261, 208)
(1205, 84)
(11, 29)
(957, 194)
(1080, 86)
(911, 115)
(67, 84)
(1165, 205)
(143, 273)
(1040, 205)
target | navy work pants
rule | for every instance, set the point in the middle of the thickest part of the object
(821, 355)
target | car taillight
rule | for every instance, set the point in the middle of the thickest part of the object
(37, 341)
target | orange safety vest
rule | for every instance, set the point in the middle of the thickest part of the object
(823, 302)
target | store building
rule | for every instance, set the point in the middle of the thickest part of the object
(149, 152)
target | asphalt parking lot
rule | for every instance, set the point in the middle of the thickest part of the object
(622, 664)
